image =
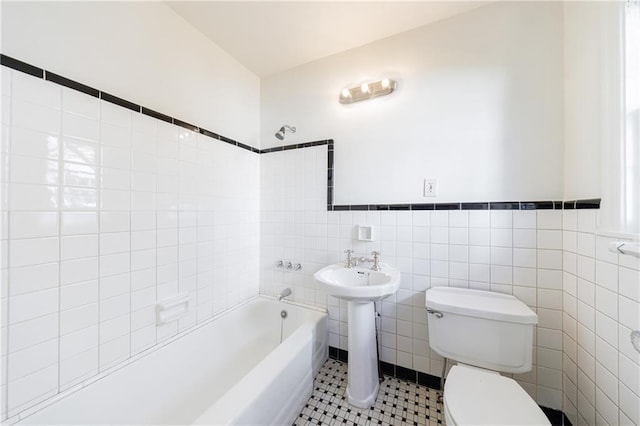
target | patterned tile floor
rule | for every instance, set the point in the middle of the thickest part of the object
(399, 402)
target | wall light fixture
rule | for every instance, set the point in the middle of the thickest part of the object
(367, 91)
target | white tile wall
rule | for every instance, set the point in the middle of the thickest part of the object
(600, 291)
(516, 252)
(105, 212)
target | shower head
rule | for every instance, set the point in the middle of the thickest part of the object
(283, 129)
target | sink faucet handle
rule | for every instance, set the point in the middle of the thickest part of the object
(376, 261)
(350, 262)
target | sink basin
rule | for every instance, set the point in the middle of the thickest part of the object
(359, 283)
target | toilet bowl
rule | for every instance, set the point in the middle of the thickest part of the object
(474, 396)
(485, 333)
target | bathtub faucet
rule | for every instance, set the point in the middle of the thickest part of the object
(284, 293)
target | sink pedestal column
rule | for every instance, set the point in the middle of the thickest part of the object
(363, 384)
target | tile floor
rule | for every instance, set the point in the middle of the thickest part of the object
(399, 402)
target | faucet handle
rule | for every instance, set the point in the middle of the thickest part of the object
(375, 253)
(348, 251)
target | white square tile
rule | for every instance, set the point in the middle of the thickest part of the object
(550, 259)
(111, 178)
(114, 221)
(114, 351)
(524, 238)
(524, 219)
(31, 89)
(501, 218)
(33, 197)
(501, 256)
(549, 239)
(586, 220)
(501, 274)
(586, 268)
(116, 242)
(80, 104)
(501, 237)
(549, 219)
(33, 251)
(550, 279)
(479, 219)
(78, 318)
(28, 388)
(606, 328)
(33, 278)
(31, 332)
(459, 218)
(80, 151)
(629, 280)
(78, 294)
(33, 224)
(78, 127)
(74, 271)
(78, 367)
(629, 312)
(32, 359)
(32, 170)
(32, 305)
(524, 257)
(479, 236)
(35, 144)
(607, 302)
(114, 114)
(78, 247)
(35, 117)
(114, 264)
(586, 244)
(75, 223)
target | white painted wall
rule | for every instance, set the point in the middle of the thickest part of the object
(479, 107)
(593, 101)
(141, 51)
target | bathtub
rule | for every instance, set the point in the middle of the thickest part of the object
(232, 370)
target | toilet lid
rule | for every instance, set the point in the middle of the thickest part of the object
(479, 397)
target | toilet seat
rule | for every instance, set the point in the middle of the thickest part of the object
(474, 396)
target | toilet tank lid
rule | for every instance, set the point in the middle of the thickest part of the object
(479, 303)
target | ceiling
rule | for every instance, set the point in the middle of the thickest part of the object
(268, 37)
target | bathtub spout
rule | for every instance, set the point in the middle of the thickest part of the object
(284, 293)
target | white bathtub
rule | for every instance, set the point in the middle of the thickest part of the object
(233, 370)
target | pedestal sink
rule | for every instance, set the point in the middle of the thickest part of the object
(360, 286)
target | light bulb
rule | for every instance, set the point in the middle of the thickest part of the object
(346, 93)
(364, 88)
(385, 83)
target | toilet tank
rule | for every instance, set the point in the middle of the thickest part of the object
(482, 328)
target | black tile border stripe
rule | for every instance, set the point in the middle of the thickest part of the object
(17, 65)
(24, 67)
(120, 102)
(498, 205)
(556, 417)
(157, 115)
(63, 81)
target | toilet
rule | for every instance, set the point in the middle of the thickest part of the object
(485, 333)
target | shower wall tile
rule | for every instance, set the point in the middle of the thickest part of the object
(106, 212)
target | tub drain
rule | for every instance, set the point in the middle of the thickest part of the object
(283, 313)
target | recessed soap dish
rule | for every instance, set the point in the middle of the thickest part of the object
(366, 233)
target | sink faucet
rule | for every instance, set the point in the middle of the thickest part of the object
(376, 261)
(351, 262)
